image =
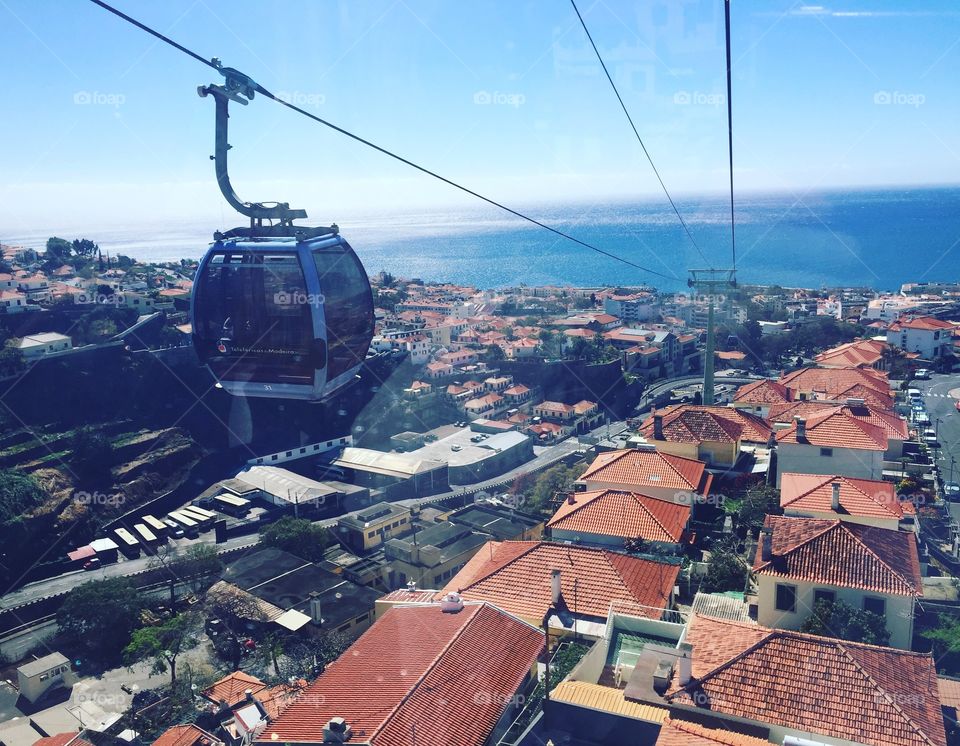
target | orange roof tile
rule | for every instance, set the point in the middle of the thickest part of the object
(635, 470)
(786, 411)
(63, 739)
(836, 428)
(186, 735)
(683, 733)
(926, 323)
(835, 383)
(689, 423)
(861, 353)
(875, 695)
(516, 575)
(762, 392)
(858, 497)
(448, 675)
(627, 515)
(232, 687)
(839, 553)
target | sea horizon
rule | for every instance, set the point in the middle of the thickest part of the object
(849, 237)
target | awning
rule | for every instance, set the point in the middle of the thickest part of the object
(81, 553)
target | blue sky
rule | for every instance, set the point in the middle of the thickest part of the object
(102, 124)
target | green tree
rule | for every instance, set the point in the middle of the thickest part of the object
(163, 645)
(58, 249)
(297, 536)
(100, 616)
(306, 657)
(199, 566)
(84, 247)
(841, 620)
(727, 572)
(751, 510)
(945, 638)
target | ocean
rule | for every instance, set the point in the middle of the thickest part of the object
(878, 238)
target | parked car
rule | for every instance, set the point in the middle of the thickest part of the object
(930, 437)
(92, 564)
(923, 374)
(951, 491)
(456, 447)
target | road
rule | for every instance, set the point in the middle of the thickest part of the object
(663, 387)
(941, 406)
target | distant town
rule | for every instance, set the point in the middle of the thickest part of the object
(543, 514)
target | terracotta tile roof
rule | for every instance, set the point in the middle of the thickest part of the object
(636, 470)
(875, 695)
(949, 693)
(926, 323)
(186, 735)
(840, 553)
(786, 411)
(448, 675)
(411, 597)
(278, 698)
(893, 424)
(624, 514)
(516, 575)
(63, 739)
(866, 498)
(232, 687)
(835, 383)
(836, 428)
(683, 733)
(762, 392)
(689, 423)
(861, 353)
(607, 699)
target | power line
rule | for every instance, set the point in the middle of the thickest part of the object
(260, 89)
(733, 230)
(637, 133)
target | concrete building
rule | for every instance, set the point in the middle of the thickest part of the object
(430, 556)
(36, 346)
(474, 456)
(371, 527)
(400, 475)
(39, 676)
(927, 336)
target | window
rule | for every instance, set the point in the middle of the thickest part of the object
(875, 605)
(343, 627)
(303, 450)
(823, 595)
(786, 597)
(371, 534)
(289, 454)
(437, 579)
(826, 451)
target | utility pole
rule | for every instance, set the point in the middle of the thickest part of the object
(711, 282)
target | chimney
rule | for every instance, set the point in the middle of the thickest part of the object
(685, 663)
(315, 608)
(835, 498)
(766, 543)
(801, 428)
(248, 695)
(571, 499)
(411, 586)
(555, 587)
(657, 426)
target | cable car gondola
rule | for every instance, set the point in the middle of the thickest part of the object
(278, 310)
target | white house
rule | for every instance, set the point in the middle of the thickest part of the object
(45, 343)
(832, 442)
(801, 561)
(12, 302)
(36, 677)
(927, 336)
